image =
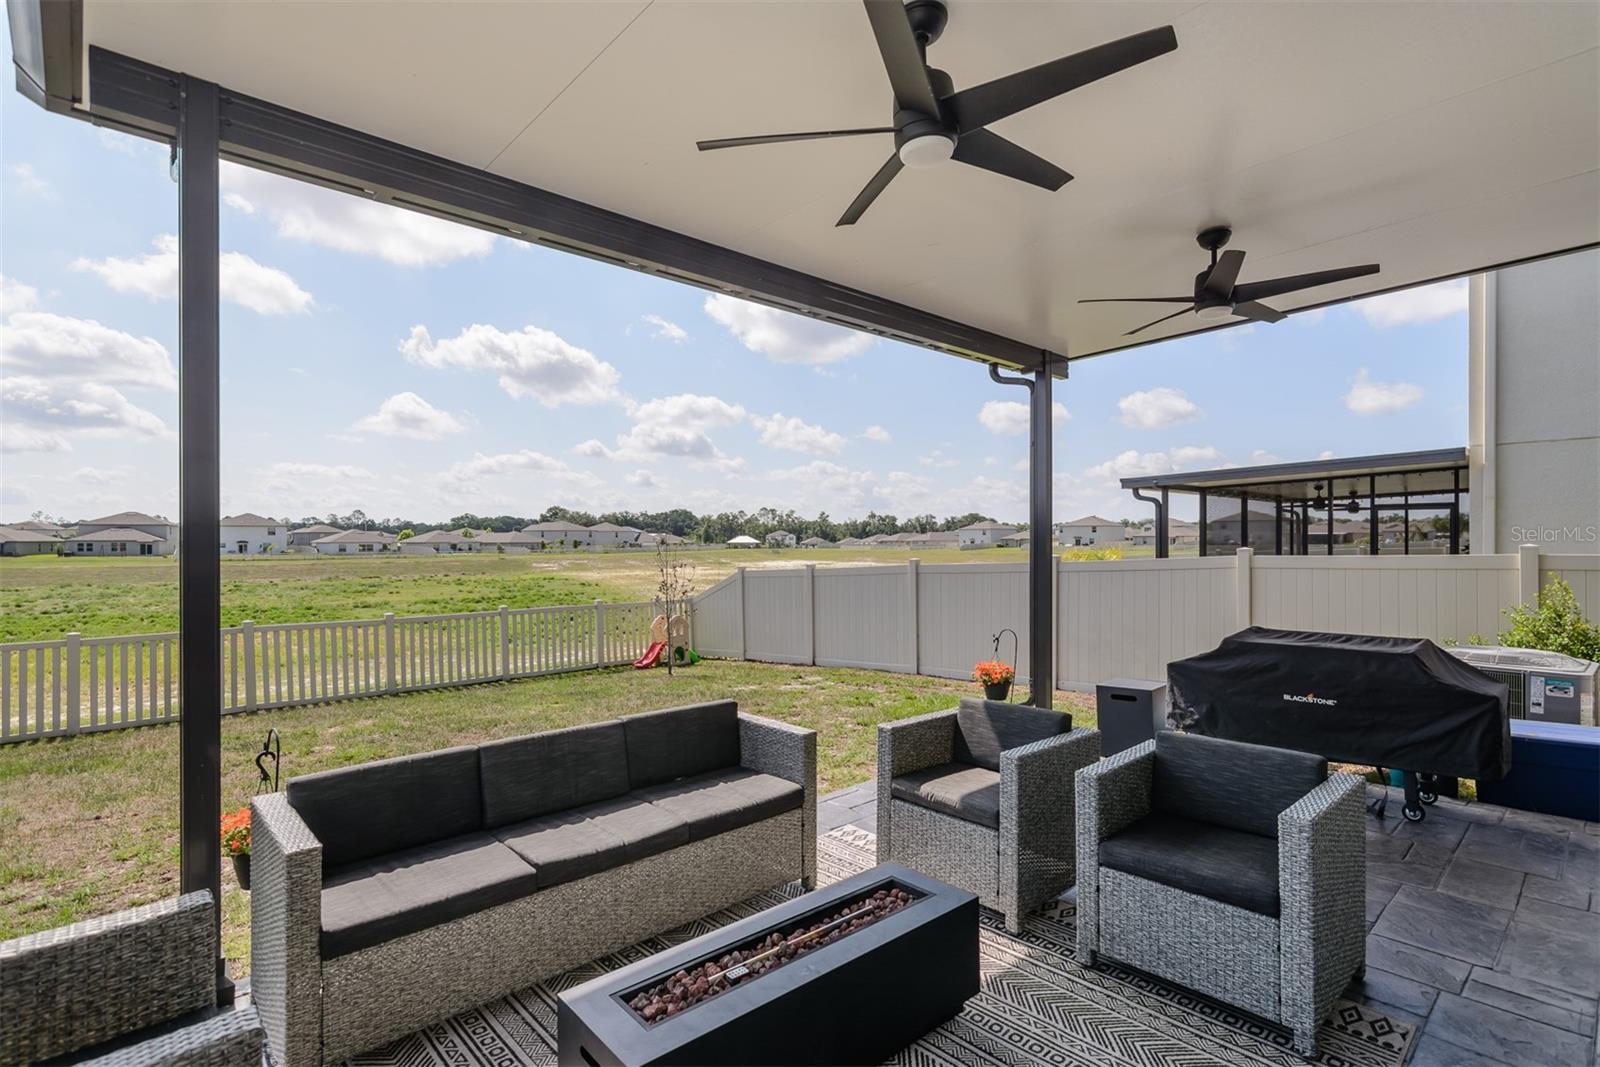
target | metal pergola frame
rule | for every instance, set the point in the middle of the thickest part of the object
(206, 123)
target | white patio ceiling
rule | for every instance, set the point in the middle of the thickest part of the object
(1434, 138)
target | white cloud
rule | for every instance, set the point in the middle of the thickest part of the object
(127, 144)
(674, 427)
(797, 435)
(1010, 417)
(937, 458)
(1425, 303)
(783, 336)
(1326, 453)
(1260, 457)
(1152, 409)
(38, 412)
(264, 290)
(878, 434)
(15, 437)
(14, 296)
(1136, 464)
(1367, 397)
(826, 485)
(643, 479)
(408, 415)
(56, 347)
(28, 180)
(334, 471)
(530, 362)
(666, 330)
(523, 461)
(347, 223)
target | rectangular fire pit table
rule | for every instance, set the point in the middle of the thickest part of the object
(859, 998)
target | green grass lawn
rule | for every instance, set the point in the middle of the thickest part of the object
(45, 597)
(89, 824)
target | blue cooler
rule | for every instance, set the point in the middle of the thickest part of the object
(1555, 769)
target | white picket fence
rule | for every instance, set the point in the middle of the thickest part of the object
(83, 684)
(1125, 618)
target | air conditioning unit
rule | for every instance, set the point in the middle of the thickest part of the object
(1545, 686)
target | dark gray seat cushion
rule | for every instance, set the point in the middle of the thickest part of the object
(525, 777)
(986, 728)
(681, 742)
(389, 806)
(1229, 783)
(569, 845)
(724, 800)
(1199, 857)
(377, 900)
(958, 789)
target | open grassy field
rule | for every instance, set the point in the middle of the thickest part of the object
(89, 824)
(44, 597)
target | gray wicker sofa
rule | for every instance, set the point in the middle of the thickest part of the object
(134, 989)
(1236, 870)
(981, 796)
(392, 895)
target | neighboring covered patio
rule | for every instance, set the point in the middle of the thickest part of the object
(1421, 140)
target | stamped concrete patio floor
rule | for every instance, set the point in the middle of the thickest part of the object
(1483, 928)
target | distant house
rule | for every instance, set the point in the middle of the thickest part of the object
(780, 539)
(506, 543)
(609, 534)
(55, 529)
(16, 541)
(983, 534)
(559, 533)
(353, 542)
(1090, 530)
(851, 542)
(816, 542)
(878, 541)
(651, 540)
(1016, 540)
(303, 536)
(436, 542)
(117, 541)
(162, 539)
(248, 534)
(744, 541)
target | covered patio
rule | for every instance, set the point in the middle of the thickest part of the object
(1425, 142)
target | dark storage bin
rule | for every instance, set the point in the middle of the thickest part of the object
(1555, 769)
(1130, 711)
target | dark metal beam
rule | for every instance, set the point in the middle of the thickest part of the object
(199, 507)
(1041, 541)
(45, 50)
(140, 96)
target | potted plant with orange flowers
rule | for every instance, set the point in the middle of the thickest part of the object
(236, 843)
(995, 676)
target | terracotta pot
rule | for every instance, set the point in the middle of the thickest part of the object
(241, 869)
(997, 690)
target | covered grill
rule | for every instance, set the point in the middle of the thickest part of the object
(1395, 702)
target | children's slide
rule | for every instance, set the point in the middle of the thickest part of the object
(651, 657)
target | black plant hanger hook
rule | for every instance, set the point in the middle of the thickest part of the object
(271, 749)
(1014, 645)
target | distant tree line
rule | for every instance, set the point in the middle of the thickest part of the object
(713, 529)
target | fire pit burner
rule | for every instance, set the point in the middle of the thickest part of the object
(745, 962)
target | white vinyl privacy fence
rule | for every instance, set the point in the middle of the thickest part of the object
(1126, 618)
(82, 684)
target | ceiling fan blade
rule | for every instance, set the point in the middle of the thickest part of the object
(1219, 283)
(777, 138)
(990, 151)
(1164, 318)
(992, 101)
(1296, 282)
(1258, 312)
(902, 59)
(1139, 300)
(880, 181)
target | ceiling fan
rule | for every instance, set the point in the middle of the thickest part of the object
(1217, 296)
(932, 123)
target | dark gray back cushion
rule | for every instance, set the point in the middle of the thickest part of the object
(1229, 783)
(525, 777)
(377, 808)
(679, 742)
(986, 728)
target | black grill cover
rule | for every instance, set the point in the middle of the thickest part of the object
(1397, 702)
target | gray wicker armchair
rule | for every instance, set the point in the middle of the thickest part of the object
(134, 989)
(1236, 870)
(981, 796)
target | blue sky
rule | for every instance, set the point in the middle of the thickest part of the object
(375, 359)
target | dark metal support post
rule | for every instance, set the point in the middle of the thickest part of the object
(1041, 529)
(199, 475)
(1204, 547)
(1164, 527)
(1372, 520)
(1455, 512)
(1161, 518)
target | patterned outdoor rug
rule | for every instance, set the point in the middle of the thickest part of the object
(1037, 1006)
